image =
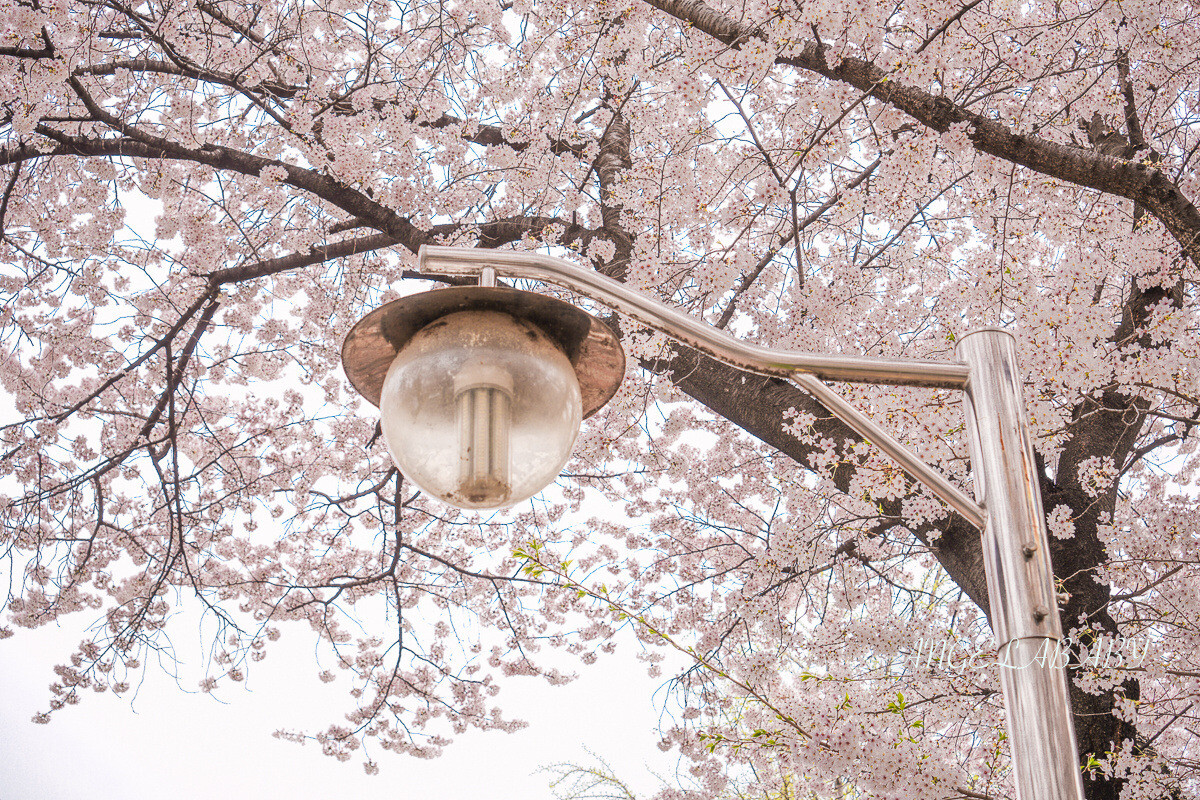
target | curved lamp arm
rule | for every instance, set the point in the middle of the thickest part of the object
(807, 370)
(687, 329)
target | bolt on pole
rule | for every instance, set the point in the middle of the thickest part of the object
(1020, 580)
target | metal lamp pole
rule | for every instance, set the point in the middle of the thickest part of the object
(1020, 581)
(1009, 508)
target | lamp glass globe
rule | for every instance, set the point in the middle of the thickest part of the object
(480, 409)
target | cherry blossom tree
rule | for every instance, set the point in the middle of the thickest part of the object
(201, 197)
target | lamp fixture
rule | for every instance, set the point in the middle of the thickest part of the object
(481, 389)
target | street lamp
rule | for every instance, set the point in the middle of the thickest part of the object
(459, 423)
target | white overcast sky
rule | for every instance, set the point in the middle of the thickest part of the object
(185, 746)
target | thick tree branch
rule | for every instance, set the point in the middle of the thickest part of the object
(610, 163)
(491, 234)
(138, 144)
(316, 255)
(1142, 183)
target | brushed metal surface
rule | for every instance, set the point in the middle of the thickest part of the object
(1040, 732)
(1020, 580)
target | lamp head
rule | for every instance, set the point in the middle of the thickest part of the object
(481, 389)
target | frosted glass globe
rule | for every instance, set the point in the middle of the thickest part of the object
(480, 409)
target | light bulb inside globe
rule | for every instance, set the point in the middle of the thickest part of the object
(484, 395)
